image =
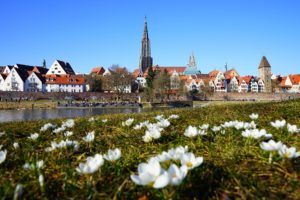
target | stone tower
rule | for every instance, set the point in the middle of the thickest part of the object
(145, 58)
(265, 73)
(192, 61)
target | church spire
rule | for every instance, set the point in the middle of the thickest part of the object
(145, 35)
(145, 58)
(192, 61)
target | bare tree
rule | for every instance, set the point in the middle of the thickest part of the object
(162, 85)
(119, 80)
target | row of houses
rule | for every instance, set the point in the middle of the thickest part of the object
(227, 81)
(216, 80)
(60, 77)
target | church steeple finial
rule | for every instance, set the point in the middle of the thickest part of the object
(145, 58)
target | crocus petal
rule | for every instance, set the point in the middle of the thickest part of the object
(161, 181)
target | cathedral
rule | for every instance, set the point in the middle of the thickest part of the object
(145, 58)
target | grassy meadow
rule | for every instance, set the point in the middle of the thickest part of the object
(234, 167)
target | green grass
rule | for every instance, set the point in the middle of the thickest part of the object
(234, 167)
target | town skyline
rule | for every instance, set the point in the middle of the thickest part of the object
(171, 45)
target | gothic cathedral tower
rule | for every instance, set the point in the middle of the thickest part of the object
(145, 58)
(265, 73)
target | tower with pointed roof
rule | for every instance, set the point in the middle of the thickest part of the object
(192, 66)
(192, 61)
(145, 58)
(265, 74)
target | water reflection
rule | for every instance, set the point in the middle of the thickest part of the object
(28, 115)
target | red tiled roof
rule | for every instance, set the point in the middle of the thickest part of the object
(98, 70)
(231, 71)
(282, 82)
(135, 73)
(213, 73)
(247, 79)
(228, 76)
(295, 79)
(169, 69)
(66, 80)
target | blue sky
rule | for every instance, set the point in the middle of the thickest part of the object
(105, 32)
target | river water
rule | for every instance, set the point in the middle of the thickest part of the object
(37, 114)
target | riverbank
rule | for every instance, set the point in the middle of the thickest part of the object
(234, 167)
(41, 104)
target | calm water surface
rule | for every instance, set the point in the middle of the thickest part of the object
(37, 114)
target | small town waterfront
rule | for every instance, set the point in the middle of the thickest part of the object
(39, 114)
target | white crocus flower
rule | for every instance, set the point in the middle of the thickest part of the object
(58, 130)
(159, 117)
(47, 126)
(178, 152)
(191, 131)
(278, 124)
(68, 133)
(254, 116)
(250, 125)
(104, 120)
(151, 174)
(18, 191)
(128, 122)
(62, 144)
(91, 165)
(271, 145)
(255, 133)
(69, 123)
(292, 128)
(204, 126)
(40, 164)
(16, 145)
(189, 160)
(141, 125)
(173, 117)
(41, 180)
(216, 129)
(89, 137)
(113, 155)
(239, 125)
(286, 152)
(147, 137)
(91, 119)
(163, 123)
(163, 157)
(176, 175)
(27, 166)
(33, 136)
(202, 132)
(37, 165)
(2, 156)
(154, 132)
